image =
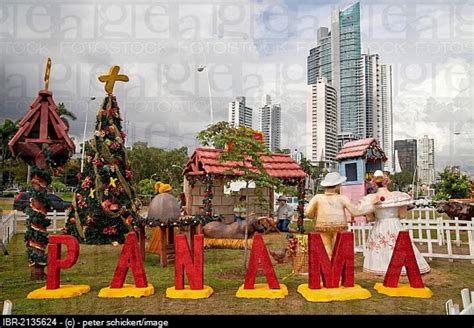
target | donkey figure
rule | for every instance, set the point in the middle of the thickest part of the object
(234, 230)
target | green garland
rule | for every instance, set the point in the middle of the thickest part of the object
(301, 198)
(208, 195)
(182, 221)
(36, 235)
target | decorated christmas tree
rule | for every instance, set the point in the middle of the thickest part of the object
(105, 207)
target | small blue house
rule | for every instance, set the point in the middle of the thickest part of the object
(358, 160)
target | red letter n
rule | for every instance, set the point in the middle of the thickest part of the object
(192, 265)
(130, 258)
(55, 264)
(342, 263)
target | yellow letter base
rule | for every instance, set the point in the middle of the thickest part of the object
(127, 290)
(189, 293)
(262, 291)
(64, 291)
(334, 294)
(404, 290)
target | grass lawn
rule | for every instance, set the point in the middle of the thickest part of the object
(224, 272)
(6, 203)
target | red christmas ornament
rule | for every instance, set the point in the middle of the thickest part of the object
(259, 258)
(130, 258)
(55, 263)
(382, 198)
(193, 264)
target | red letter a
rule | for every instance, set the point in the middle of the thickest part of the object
(342, 263)
(55, 264)
(130, 258)
(403, 256)
(194, 266)
(259, 257)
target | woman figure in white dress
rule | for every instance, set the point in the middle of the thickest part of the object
(387, 212)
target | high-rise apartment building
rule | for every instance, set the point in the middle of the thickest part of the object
(270, 124)
(239, 113)
(426, 161)
(321, 123)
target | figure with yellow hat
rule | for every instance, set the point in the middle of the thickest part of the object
(328, 210)
(163, 207)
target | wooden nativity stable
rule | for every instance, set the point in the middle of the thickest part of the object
(206, 177)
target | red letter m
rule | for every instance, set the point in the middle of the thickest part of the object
(342, 263)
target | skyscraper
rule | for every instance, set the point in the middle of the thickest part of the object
(426, 161)
(270, 123)
(319, 59)
(321, 124)
(239, 113)
(386, 140)
(337, 58)
(363, 84)
(407, 154)
(376, 98)
(346, 46)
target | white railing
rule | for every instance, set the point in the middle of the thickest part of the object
(53, 216)
(423, 213)
(7, 227)
(467, 302)
(438, 235)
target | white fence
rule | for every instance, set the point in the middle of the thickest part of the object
(7, 227)
(438, 235)
(9, 224)
(467, 303)
(53, 216)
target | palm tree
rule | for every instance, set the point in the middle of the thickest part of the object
(7, 131)
(65, 114)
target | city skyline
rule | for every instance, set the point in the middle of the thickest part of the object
(252, 49)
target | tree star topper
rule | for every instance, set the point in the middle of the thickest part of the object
(111, 78)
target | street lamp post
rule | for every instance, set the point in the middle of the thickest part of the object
(84, 134)
(200, 69)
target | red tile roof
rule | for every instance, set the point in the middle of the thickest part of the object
(356, 148)
(205, 160)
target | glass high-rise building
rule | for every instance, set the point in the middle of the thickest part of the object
(407, 154)
(347, 38)
(337, 58)
(319, 59)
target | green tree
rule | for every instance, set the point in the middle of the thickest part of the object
(146, 187)
(158, 164)
(7, 131)
(401, 181)
(315, 172)
(452, 185)
(242, 147)
(65, 114)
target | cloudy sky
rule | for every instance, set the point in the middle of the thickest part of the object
(249, 48)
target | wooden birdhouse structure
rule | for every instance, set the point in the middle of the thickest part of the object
(42, 141)
(41, 126)
(358, 160)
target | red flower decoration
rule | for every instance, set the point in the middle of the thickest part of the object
(382, 198)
